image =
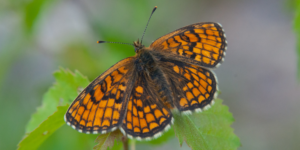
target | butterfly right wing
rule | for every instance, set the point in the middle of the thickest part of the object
(203, 44)
(194, 88)
(100, 107)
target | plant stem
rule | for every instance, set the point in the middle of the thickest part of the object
(125, 143)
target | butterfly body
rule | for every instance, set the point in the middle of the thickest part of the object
(148, 65)
(137, 95)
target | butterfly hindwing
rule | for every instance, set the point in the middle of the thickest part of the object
(100, 107)
(202, 44)
(193, 87)
(146, 116)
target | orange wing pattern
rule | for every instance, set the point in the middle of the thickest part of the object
(193, 87)
(99, 108)
(138, 93)
(146, 116)
(202, 44)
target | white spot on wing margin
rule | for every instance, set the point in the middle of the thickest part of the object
(167, 127)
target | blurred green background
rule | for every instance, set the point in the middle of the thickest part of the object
(257, 80)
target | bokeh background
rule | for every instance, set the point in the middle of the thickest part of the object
(257, 80)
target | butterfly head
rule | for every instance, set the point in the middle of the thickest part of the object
(137, 46)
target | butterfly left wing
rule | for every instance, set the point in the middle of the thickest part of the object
(146, 116)
(100, 107)
(203, 44)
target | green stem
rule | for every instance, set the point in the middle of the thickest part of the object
(132, 145)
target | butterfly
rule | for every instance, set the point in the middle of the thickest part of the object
(138, 94)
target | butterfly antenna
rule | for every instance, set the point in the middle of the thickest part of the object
(148, 23)
(114, 42)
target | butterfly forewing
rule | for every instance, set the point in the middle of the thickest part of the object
(202, 44)
(146, 116)
(99, 108)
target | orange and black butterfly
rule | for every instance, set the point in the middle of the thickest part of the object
(138, 93)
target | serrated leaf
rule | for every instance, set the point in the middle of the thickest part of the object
(63, 92)
(35, 138)
(208, 130)
(109, 140)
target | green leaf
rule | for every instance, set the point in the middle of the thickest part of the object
(55, 104)
(34, 139)
(63, 92)
(111, 140)
(208, 130)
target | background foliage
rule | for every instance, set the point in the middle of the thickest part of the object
(296, 5)
(257, 79)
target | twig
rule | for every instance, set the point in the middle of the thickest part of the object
(125, 143)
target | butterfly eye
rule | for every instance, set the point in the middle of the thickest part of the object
(136, 49)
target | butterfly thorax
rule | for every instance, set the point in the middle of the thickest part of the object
(147, 66)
